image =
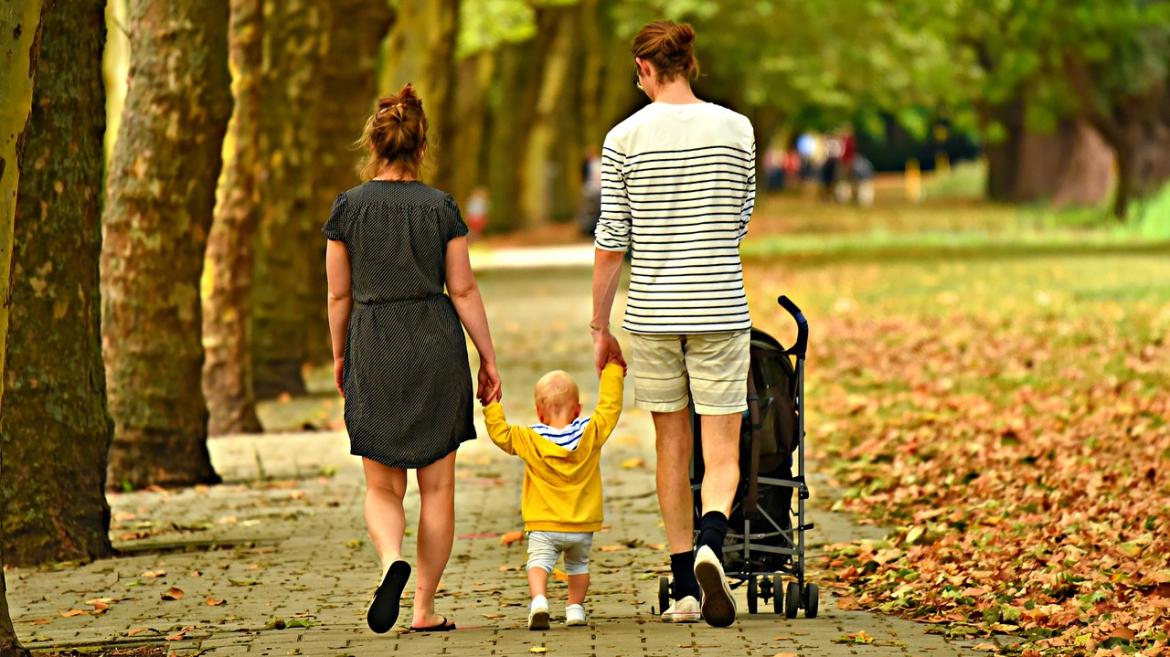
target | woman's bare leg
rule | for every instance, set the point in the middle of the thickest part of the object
(436, 532)
(385, 519)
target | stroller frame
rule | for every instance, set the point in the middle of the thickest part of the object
(748, 541)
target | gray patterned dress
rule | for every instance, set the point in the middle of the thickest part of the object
(408, 398)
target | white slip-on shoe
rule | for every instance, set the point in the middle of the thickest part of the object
(575, 616)
(718, 605)
(538, 613)
(685, 610)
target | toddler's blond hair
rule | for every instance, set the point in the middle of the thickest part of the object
(556, 393)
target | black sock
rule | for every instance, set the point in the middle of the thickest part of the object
(682, 568)
(712, 531)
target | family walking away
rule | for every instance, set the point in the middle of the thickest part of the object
(677, 188)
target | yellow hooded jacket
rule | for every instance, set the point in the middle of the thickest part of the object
(562, 487)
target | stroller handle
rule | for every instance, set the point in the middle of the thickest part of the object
(801, 346)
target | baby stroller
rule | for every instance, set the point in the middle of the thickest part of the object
(763, 547)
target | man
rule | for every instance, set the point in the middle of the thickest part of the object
(678, 187)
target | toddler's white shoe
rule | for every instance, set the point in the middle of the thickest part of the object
(685, 610)
(538, 613)
(575, 615)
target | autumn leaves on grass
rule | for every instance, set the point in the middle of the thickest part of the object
(1035, 505)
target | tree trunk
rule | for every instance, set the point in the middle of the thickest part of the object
(54, 426)
(227, 309)
(161, 200)
(349, 82)
(20, 29)
(282, 301)
(513, 109)
(466, 149)
(554, 131)
(1065, 167)
(421, 50)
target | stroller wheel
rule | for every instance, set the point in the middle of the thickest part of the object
(811, 600)
(752, 595)
(777, 595)
(663, 594)
(791, 600)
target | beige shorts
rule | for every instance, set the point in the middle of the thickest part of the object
(710, 368)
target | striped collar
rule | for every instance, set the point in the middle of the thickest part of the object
(568, 437)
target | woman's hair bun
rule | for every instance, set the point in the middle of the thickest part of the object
(396, 133)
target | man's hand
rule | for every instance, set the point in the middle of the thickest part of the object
(606, 349)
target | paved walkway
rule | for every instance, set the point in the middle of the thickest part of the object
(251, 557)
(277, 562)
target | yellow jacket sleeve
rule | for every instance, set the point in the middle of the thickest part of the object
(507, 437)
(609, 401)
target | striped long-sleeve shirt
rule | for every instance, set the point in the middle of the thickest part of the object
(678, 187)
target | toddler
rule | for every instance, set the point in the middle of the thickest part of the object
(561, 501)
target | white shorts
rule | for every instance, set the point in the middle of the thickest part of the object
(711, 368)
(545, 548)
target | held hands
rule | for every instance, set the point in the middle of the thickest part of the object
(490, 387)
(606, 350)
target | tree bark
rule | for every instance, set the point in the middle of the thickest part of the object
(227, 309)
(554, 132)
(1064, 167)
(465, 151)
(282, 301)
(1135, 124)
(421, 50)
(349, 85)
(20, 30)
(513, 109)
(54, 426)
(161, 199)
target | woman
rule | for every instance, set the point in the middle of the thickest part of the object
(399, 355)
(678, 185)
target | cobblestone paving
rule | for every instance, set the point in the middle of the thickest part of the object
(276, 560)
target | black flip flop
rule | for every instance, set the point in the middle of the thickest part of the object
(445, 626)
(383, 612)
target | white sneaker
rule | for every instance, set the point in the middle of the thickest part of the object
(575, 615)
(718, 605)
(538, 613)
(685, 610)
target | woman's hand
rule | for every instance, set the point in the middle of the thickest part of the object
(339, 375)
(605, 349)
(490, 387)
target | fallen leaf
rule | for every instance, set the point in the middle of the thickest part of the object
(135, 631)
(41, 621)
(74, 612)
(985, 647)
(511, 537)
(173, 593)
(614, 547)
(215, 602)
(560, 575)
(154, 574)
(633, 463)
(786, 654)
(177, 636)
(538, 649)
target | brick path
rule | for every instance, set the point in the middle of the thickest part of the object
(283, 545)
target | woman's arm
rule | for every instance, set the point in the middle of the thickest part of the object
(468, 303)
(338, 273)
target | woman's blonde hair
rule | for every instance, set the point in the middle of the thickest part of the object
(395, 134)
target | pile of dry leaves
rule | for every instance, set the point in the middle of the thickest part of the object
(1024, 462)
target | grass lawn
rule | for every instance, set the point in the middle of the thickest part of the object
(998, 391)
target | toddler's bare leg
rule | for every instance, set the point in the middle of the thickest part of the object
(578, 587)
(537, 582)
